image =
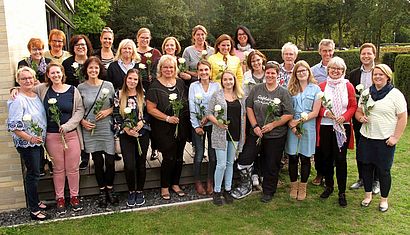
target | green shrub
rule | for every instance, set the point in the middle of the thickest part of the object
(389, 58)
(351, 57)
(402, 76)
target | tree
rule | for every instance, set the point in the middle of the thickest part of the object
(89, 15)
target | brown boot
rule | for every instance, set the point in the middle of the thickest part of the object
(293, 189)
(199, 188)
(209, 187)
(302, 191)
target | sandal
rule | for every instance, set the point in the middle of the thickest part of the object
(179, 192)
(165, 195)
(42, 205)
(39, 215)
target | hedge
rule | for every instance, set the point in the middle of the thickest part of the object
(402, 76)
(351, 57)
(389, 58)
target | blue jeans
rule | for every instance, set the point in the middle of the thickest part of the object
(199, 143)
(32, 160)
(224, 166)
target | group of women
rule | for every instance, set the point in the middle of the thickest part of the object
(229, 95)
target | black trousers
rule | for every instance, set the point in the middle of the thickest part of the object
(333, 156)
(305, 166)
(272, 150)
(319, 162)
(384, 178)
(104, 178)
(134, 163)
(359, 163)
(171, 166)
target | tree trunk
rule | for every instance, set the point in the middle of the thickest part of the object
(305, 39)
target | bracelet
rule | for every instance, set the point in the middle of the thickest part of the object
(167, 119)
(254, 126)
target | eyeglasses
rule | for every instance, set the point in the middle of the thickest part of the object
(336, 68)
(80, 45)
(26, 79)
(57, 41)
(301, 71)
(36, 49)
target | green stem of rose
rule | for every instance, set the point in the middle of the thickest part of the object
(139, 146)
(47, 155)
(233, 142)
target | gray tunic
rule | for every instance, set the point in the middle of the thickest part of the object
(102, 138)
(219, 135)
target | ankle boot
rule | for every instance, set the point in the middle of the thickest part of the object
(302, 191)
(199, 188)
(209, 187)
(111, 196)
(245, 186)
(102, 200)
(294, 189)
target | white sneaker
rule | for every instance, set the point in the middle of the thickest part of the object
(255, 180)
(376, 187)
(358, 184)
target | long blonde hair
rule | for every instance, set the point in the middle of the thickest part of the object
(237, 89)
(294, 86)
(125, 91)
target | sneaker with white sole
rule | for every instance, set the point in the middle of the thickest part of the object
(139, 199)
(358, 184)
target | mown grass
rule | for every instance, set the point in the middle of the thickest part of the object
(249, 216)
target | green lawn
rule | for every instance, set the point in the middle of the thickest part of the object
(249, 216)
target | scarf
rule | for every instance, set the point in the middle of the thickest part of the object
(380, 94)
(40, 68)
(245, 48)
(339, 87)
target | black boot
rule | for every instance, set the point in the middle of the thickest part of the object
(327, 192)
(111, 196)
(245, 186)
(217, 198)
(342, 200)
(228, 197)
(102, 198)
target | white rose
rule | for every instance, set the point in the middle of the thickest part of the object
(75, 65)
(276, 101)
(148, 55)
(304, 116)
(198, 96)
(320, 95)
(217, 108)
(204, 52)
(142, 66)
(246, 53)
(173, 96)
(127, 110)
(359, 87)
(246, 82)
(365, 92)
(52, 101)
(181, 60)
(105, 91)
(27, 117)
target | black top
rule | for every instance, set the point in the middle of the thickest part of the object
(234, 117)
(162, 131)
(40, 75)
(70, 72)
(116, 75)
(65, 103)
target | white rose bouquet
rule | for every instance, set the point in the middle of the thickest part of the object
(131, 122)
(273, 107)
(177, 106)
(38, 131)
(55, 116)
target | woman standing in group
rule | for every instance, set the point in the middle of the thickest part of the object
(36, 60)
(27, 142)
(171, 47)
(301, 142)
(169, 130)
(225, 59)
(268, 135)
(66, 156)
(334, 133)
(107, 52)
(381, 130)
(57, 41)
(199, 94)
(134, 134)
(80, 49)
(226, 110)
(149, 57)
(198, 51)
(244, 44)
(98, 140)
(126, 58)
